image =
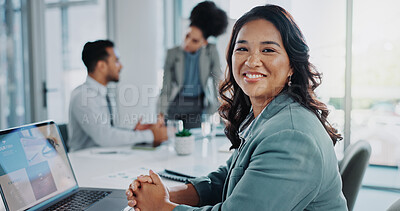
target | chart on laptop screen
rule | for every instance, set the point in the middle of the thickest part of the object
(33, 166)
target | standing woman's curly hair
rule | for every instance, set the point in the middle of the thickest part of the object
(210, 19)
(236, 104)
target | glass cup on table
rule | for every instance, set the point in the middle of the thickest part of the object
(173, 126)
(206, 125)
(215, 124)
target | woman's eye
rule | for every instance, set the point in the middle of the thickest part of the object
(268, 50)
(241, 49)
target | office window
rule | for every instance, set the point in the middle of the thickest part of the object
(376, 78)
(69, 25)
(13, 76)
(326, 37)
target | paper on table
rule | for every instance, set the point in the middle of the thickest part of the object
(120, 179)
(109, 154)
(144, 146)
(102, 151)
(123, 179)
(192, 170)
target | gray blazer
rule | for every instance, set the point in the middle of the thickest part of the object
(210, 75)
(286, 162)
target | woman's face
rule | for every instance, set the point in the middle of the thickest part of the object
(260, 63)
(194, 40)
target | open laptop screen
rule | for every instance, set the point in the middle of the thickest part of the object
(33, 165)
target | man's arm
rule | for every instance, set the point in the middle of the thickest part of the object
(93, 119)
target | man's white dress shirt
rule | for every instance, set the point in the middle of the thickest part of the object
(89, 120)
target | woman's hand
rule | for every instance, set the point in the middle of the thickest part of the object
(134, 186)
(149, 193)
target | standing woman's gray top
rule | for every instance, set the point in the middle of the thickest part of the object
(174, 77)
(286, 162)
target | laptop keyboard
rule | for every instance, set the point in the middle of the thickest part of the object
(79, 200)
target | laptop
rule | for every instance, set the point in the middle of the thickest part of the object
(35, 174)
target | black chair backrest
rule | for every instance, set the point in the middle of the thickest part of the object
(352, 168)
(64, 133)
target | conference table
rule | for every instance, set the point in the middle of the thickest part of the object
(117, 167)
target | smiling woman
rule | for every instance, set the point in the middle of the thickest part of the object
(284, 157)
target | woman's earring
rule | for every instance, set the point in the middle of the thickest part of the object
(289, 83)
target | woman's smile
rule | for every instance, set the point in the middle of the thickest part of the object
(252, 77)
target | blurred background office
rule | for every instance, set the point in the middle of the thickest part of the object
(354, 43)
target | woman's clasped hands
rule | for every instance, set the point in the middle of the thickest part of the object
(148, 192)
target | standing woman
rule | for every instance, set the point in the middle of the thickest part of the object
(284, 157)
(192, 71)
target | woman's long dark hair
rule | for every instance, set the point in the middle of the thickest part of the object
(236, 104)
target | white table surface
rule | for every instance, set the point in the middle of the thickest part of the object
(93, 168)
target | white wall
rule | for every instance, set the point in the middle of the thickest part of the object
(139, 39)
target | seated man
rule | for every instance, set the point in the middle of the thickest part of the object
(91, 121)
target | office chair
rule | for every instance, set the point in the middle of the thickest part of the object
(352, 168)
(64, 133)
(395, 206)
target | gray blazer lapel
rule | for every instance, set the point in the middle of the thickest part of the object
(180, 67)
(204, 67)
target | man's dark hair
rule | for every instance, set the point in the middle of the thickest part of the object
(95, 51)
